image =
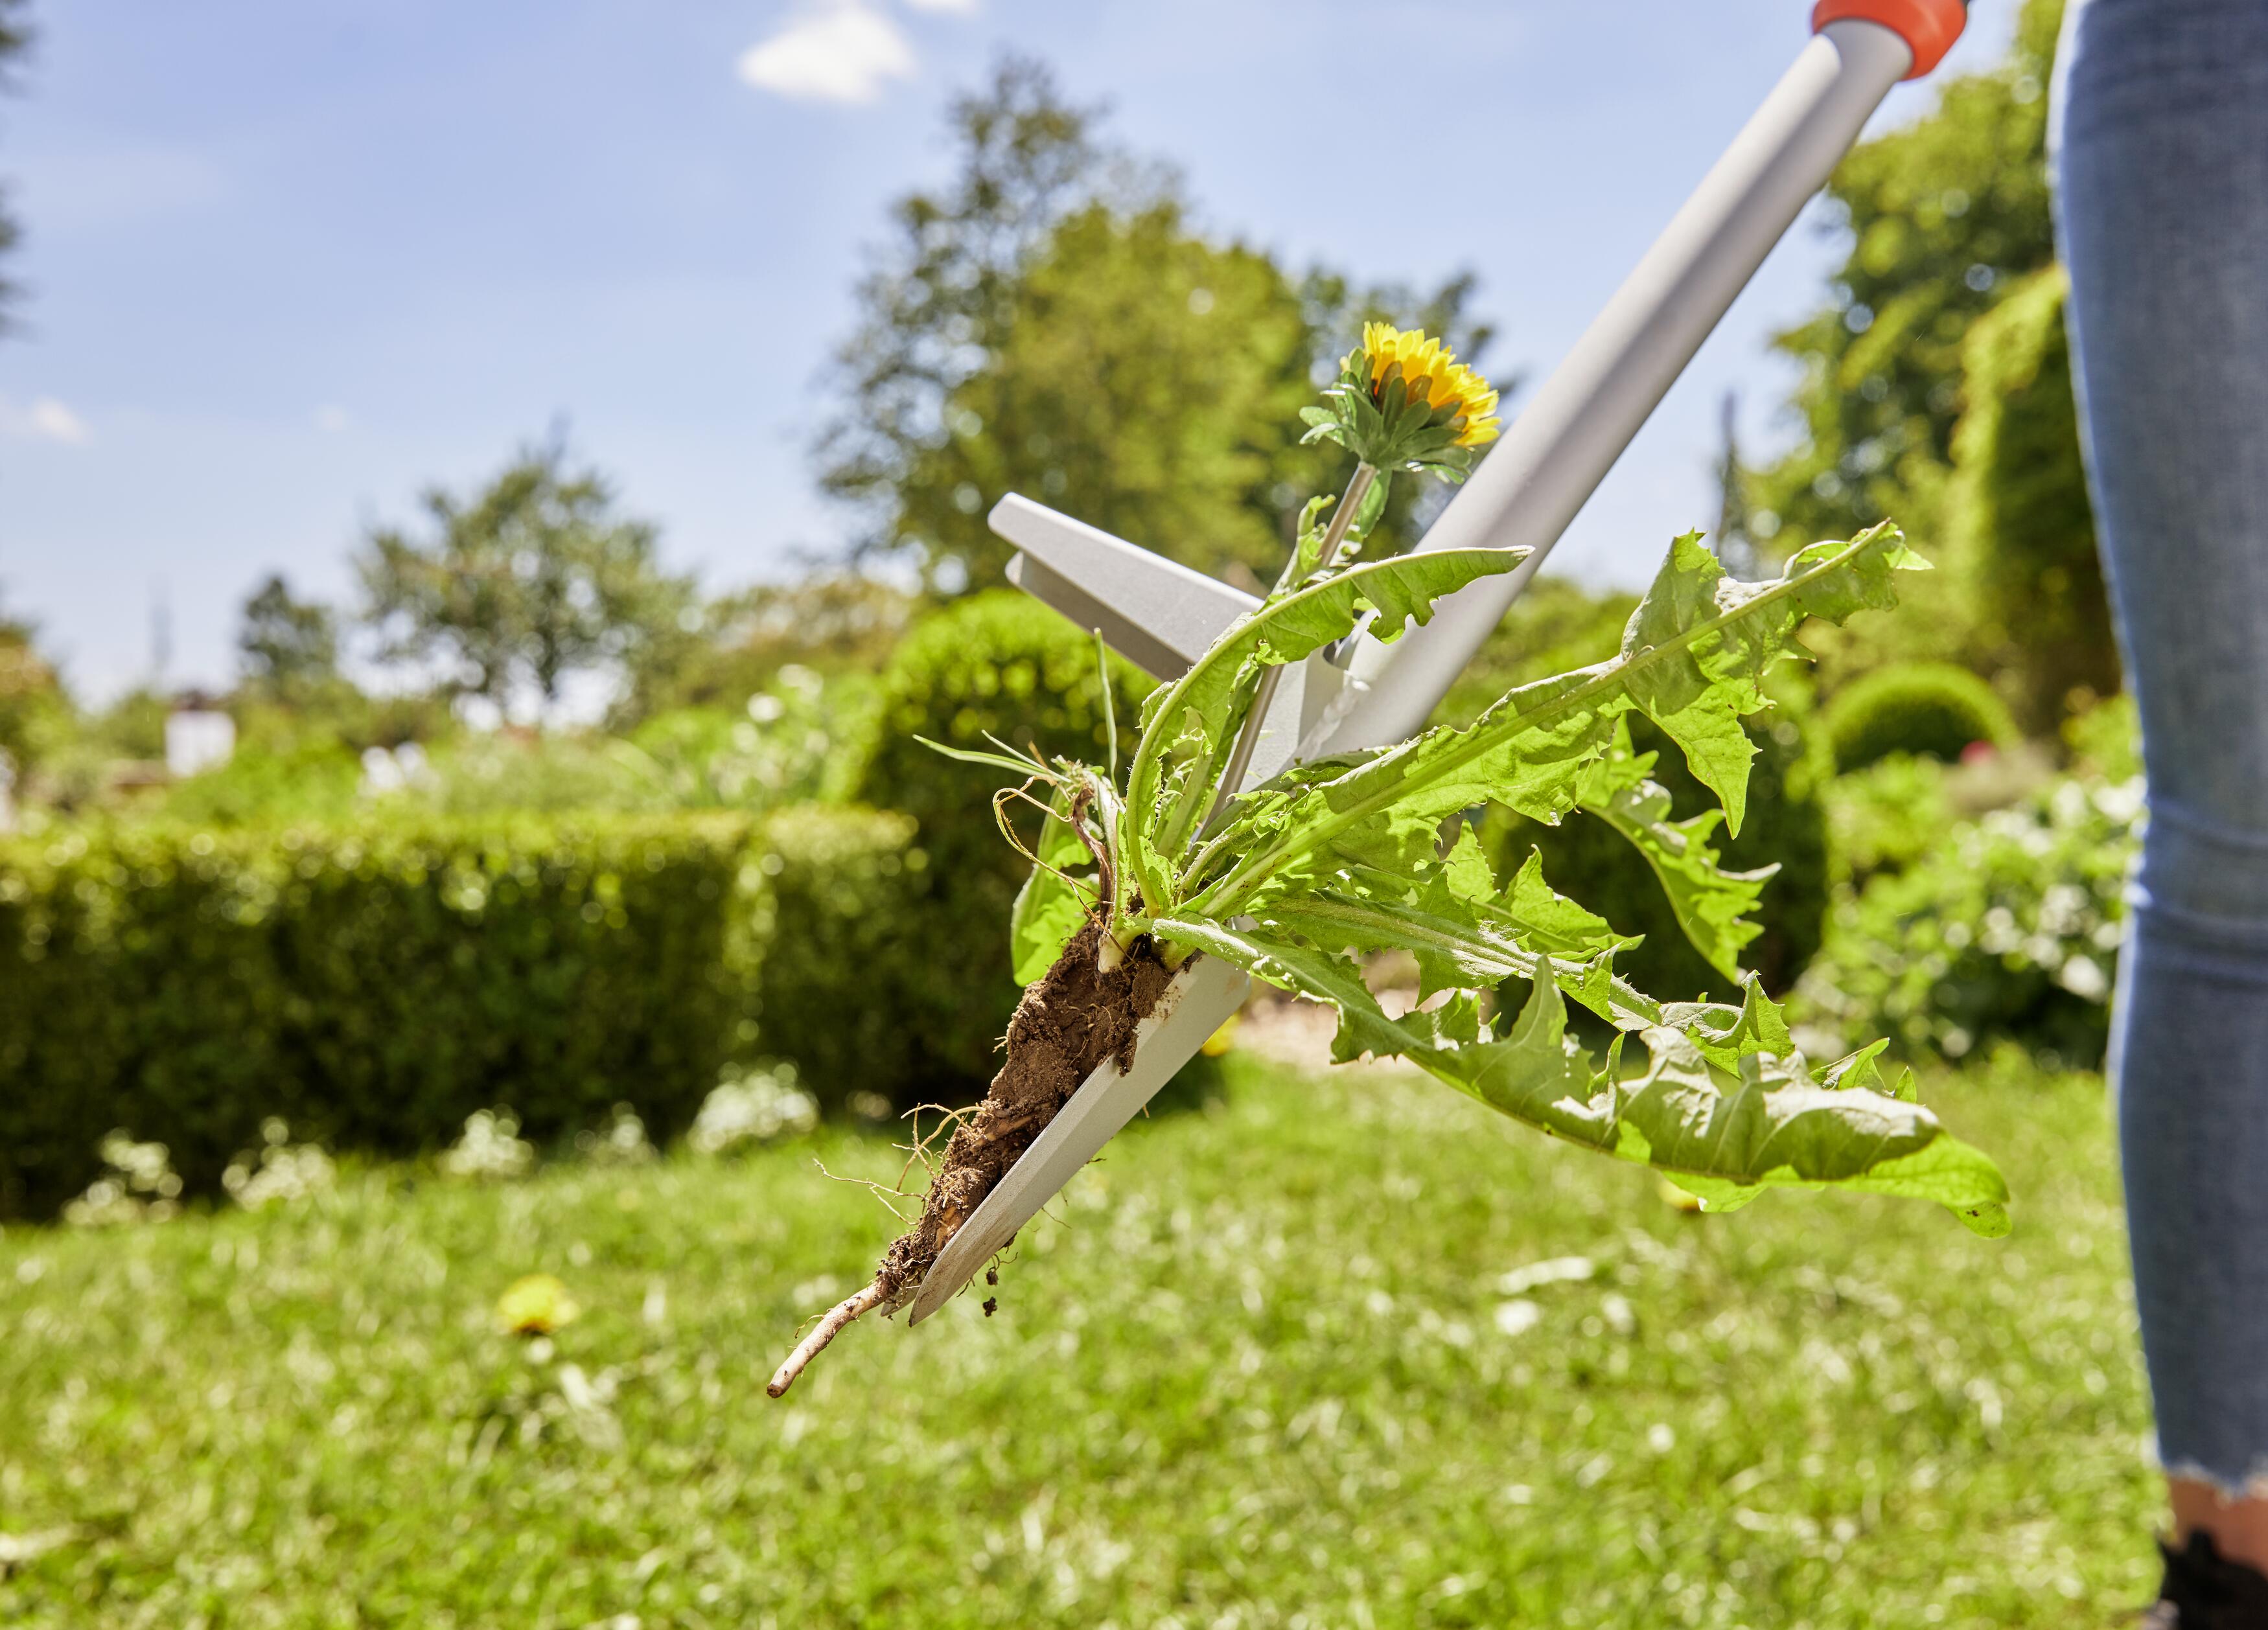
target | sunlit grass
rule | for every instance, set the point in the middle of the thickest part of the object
(1260, 1372)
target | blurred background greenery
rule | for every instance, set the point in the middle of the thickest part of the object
(1948, 793)
(534, 852)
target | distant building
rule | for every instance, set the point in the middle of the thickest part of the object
(198, 736)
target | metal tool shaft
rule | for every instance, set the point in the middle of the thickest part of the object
(1555, 454)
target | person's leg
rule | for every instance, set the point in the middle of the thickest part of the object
(2162, 171)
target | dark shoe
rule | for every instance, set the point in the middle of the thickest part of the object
(2206, 1591)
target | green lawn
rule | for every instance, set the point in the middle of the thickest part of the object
(1259, 1372)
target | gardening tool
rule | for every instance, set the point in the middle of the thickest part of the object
(1366, 694)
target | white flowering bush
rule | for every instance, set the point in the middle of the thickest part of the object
(282, 1172)
(138, 1184)
(621, 1142)
(489, 1147)
(757, 1106)
(2010, 928)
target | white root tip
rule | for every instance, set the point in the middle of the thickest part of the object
(828, 1328)
(1108, 955)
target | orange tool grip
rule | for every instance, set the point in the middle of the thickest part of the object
(1928, 26)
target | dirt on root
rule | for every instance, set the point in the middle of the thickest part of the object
(1068, 1022)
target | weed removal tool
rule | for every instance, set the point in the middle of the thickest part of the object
(1160, 614)
(1280, 816)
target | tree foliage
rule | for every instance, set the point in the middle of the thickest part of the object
(531, 579)
(289, 647)
(1938, 382)
(2020, 527)
(15, 41)
(829, 621)
(35, 711)
(1053, 322)
(1944, 215)
(1145, 380)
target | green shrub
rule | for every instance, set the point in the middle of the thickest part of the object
(311, 780)
(1930, 709)
(996, 663)
(1787, 822)
(2020, 525)
(1887, 816)
(373, 987)
(2010, 928)
(2106, 740)
(841, 947)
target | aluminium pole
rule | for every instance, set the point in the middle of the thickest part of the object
(1555, 454)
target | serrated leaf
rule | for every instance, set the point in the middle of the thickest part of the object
(1699, 700)
(1543, 918)
(1052, 907)
(1711, 904)
(1775, 1127)
(1726, 1036)
(1533, 750)
(1188, 737)
(1723, 1135)
(1364, 1027)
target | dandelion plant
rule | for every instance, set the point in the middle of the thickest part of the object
(1300, 879)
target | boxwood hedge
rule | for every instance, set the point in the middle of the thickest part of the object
(375, 985)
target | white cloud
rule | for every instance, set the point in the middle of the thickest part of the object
(834, 51)
(957, 8)
(46, 420)
(331, 419)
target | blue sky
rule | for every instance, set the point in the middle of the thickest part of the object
(289, 263)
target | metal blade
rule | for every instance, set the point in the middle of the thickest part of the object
(1157, 613)
(1201, 999)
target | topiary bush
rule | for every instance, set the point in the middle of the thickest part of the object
(1787, 822)
(373, 987)
(996, 664)
(1933, 709)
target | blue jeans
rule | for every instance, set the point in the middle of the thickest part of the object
(2161, 156)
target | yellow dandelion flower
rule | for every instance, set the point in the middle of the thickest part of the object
(535, 1306)
(1403, 401)
(1434, 375)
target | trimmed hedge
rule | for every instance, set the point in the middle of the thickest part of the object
(997, 664)
(1933, 709)
(841, 948)
(372, 987)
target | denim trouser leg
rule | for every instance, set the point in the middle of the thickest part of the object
(2163, 174)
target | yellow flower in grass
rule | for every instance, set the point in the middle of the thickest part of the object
(535, 1306)
(1403, 401)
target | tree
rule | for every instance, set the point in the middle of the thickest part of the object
(934, 307)
(532, 579)
(1937, 389)
(35, 711)
(15, 40)
(1944, 215)
(1145, 379)
(1051, 323)
(2019, 524)
(288, 646)
(829, 621)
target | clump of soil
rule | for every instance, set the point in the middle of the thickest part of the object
(1072, 1019)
